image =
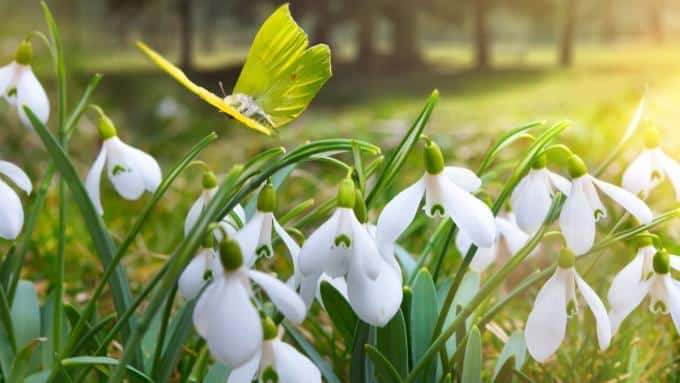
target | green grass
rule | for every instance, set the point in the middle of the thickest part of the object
(598, 94)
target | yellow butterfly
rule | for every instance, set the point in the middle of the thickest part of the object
(279, 79)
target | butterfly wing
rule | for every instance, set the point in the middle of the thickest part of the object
(201, 92)
(281, 74)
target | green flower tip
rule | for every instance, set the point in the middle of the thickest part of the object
(230, 254)
(651, 135)
(433, 158)
(567, 258)
(24, 54)
(209, 180)
(577, 167)
(360, 210)
(266, 200)
(269, 375)
(540, 162)
(662, 262)
(346, 193)
(106, 128)
(269, 330)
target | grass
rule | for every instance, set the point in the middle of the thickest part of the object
(598, 94)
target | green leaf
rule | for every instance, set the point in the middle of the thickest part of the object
(472, 364)
(506, 371)
(22, 361)
(468, 288)
(359, 170)
(384, 370)
(393, 343)
(218, 373)
(280, 73)
(102, 360)
(359, 367)
(6, 319)
(514, 348)
(338, 309)
(180, 331)
(310, 351)
(423, 319)
(504, 141)
(405, 259)
(38, 377)
(636, 367)
(25, 314)
(401, 152)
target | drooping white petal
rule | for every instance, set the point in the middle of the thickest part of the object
(309, 288)
(577, 221)
(316, 250)
(192, 279)
(593, 197)
(194, 214)
(339, 284)
(31, 94)
(249, 237)
(469, 213)
(484, 255)
(293, 249)
(375, 301)
(604, 332)
(293, 367)
(16, 175)
(627, 291)
(465, 178)
(562, 184)
(147, 167)
(673, 292)
(343, 244)
(365, 251)
(246, 372)
(637, 178)
(672, 170)
(515, 238)
(399, 212)
(531, 200)
(11, 212)
(284, 298)
(121, 169)
(547, 322)
(675, 261)
(7, 73)
(627, 200)
(93, 181)
(228, 321)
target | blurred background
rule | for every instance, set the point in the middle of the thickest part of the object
(498, 64)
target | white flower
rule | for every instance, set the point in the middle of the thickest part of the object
(130, 170)
(507, 229)
(555, 302)
(19, 86)
(583, 207)
(276, 359)
(532, 196)
(225, 316)
(639, 279)
(648, 170)
(197, 273)
(11, 211)
(230, 224)
(447, 193)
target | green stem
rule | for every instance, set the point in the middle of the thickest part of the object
(160, 342)
(442, 253)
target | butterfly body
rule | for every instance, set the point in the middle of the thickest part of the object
(247, 106)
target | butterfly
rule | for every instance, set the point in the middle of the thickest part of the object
(279, 79)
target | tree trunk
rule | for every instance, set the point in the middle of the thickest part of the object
(366, 55)
(609, 27)
(567, 43)
(210, 19)
(481, 34)
(656, 20)
(405, 49)
(186, 34)
(324, 23)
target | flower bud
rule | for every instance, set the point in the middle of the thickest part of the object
(106, 128)
(346, 196)
(360, 206)
(209, 180)
(266, 200)
(433, 158)
(577, 167)
(662, 262)
(567, 258)
(24, 54)
(539, 162)
(651, 136)
(269, 330)
(230, 254)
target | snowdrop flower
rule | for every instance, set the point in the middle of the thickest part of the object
(130, 170)
(447, 193)
(555, 303)
(650, 168)
(276, 361)
(11, 211)
(225, 316)
(19, 86)
(648, 274)
(583, 207)
(507, 229)
(532, 196)
(197, 273)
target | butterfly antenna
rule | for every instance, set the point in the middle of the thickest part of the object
(222, 88)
